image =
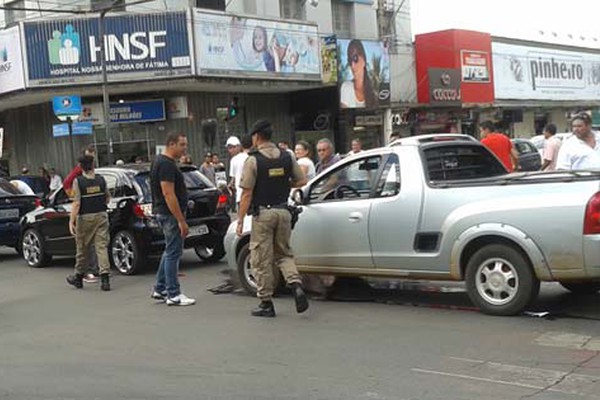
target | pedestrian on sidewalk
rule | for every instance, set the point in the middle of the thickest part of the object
(267, 177)
(169, 202)
(89, 223)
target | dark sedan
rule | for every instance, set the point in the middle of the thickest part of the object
(529, 156)
(13, 206)
(134, 232)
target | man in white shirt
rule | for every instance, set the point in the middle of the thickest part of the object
(582, 150)
(55, 181)
(356, 147)
(237, 166)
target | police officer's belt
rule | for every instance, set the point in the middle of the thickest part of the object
(282, 206)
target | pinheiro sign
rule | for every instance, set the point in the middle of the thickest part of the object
(140, 46)
(527, 72)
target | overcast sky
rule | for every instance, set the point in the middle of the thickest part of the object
(514, 18)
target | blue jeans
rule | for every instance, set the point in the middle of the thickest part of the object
(166, 277)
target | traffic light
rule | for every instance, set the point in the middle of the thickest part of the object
(232, 110)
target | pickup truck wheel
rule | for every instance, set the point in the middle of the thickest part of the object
(125, 254)
(33, 248)
(210, 253)
(246, 275)
(500, 281)
(581, 287)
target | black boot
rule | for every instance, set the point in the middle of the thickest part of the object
(75, 280)
(105, 285)
(299, 298)
(264, 309)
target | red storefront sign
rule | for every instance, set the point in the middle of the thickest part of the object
(466, 51)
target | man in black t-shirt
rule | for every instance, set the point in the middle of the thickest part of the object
(169, 202)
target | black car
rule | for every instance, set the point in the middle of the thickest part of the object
(13, 206)
(529, 156)
(134, 231)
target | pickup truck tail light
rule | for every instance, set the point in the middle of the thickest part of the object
(138, 211)
(591, 222)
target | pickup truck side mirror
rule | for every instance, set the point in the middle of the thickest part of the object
(298, 196)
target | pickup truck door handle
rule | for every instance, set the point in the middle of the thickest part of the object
(355, 217)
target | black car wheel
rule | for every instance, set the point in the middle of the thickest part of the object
(210, 253)
(581, 287)
(246, 274)
(125, 253)
(32, 246)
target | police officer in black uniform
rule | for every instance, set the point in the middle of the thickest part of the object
(267, 177)
(89, 223)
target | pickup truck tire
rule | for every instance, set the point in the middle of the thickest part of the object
(500, 280)
(581, 287)
(246, 275)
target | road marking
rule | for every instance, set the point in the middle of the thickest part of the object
(569, 341)
(469, 360)
(476, 378)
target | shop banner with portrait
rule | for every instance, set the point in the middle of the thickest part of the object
(229, 45)
(364, 73)
(329, 59)
(11, 61)
(527, 72)
(137, 47)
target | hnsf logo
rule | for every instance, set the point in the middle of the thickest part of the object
(64, 48)
(552, 71)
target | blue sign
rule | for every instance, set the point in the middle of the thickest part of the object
(137, 111)
(66, 106)
(79, 128)
(140, 46)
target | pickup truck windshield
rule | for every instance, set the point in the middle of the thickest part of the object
(455, 162)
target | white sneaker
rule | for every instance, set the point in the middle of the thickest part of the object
(181, 300)
(90, 278)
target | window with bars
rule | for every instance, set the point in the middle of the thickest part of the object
(342, 18)
(11, 16)
(292, 9)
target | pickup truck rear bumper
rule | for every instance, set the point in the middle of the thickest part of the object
(591, 254)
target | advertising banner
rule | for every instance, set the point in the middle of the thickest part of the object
(329, 59)
(364, 73)
(444, 87)
(475, 66)
(66, 106)
(140, 46)
(11, 61)
(245, 47)
(79, 128)
(526, 72)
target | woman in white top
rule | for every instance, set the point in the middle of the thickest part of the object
(302, 151)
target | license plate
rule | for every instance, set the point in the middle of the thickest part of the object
(199, 230)
(10, 213)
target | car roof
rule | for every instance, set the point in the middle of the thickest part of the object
(434, 137)
(139, 168)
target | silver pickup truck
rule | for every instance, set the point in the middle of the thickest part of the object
(442, 207)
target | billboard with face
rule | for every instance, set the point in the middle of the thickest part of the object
(364, 73)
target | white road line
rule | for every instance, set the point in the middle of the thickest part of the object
(475, 378)
(469, 360)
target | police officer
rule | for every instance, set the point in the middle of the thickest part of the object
(89, 222)
(267, 176)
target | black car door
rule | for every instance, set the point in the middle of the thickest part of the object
(54, 226)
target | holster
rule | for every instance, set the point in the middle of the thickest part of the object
(254, 210)
(295, 211)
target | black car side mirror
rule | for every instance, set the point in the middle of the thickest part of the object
(298, 196)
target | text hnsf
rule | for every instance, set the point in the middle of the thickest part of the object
(554, 70)
(134, 46)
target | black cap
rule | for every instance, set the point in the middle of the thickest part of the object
(260, 126)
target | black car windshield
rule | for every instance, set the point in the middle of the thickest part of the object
(7, 189)
(193, 180)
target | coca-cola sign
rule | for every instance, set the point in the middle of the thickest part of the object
(444, 87)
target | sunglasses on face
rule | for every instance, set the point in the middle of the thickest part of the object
(354, 58)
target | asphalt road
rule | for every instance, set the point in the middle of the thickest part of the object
(423, 342)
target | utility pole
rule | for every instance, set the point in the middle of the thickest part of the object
(105, 98)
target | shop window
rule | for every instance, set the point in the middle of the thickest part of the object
(11, 15)
(342, 18)
(292, 9)
(211, 4)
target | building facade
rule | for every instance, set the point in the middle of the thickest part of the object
(174, 66)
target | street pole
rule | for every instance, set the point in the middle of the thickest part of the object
(105, 99)
(70, 125)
